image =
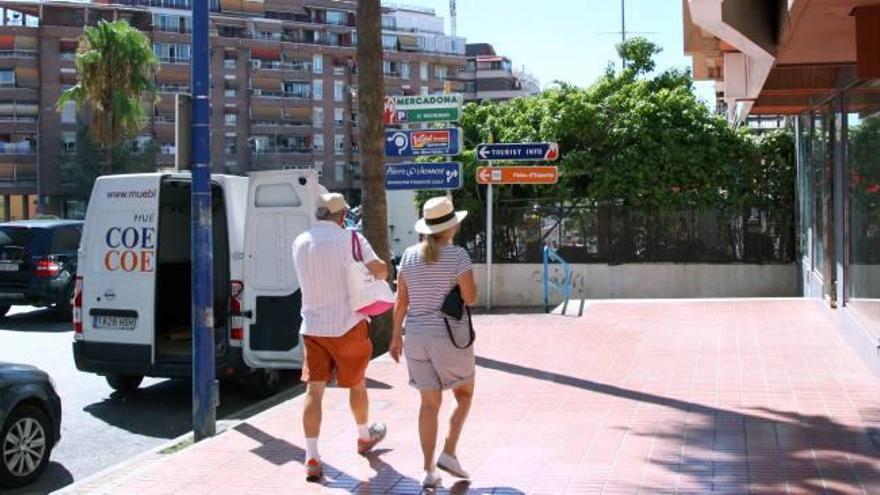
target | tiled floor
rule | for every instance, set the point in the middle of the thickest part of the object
(684, 397)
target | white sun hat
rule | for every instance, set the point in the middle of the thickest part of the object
(439, 215)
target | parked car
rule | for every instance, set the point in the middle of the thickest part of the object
(38, 264)
(30, 423)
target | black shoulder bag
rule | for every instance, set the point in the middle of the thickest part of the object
(454, 307)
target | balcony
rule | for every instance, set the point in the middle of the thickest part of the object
(281, 66)
(230, 93)
(281, 150)
(19, 54)
(176, 60)
(18, 119)
(173, 88)
(18, 173)
(19, 148)
(229, 63)
(267, 93)
(280, 123)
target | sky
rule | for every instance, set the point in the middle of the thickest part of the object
(568, 40)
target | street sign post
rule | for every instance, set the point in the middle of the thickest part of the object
(518, 152)
(423, 108)
(420, 143)
(518, 175)
(417, 176)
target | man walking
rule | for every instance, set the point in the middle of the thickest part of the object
(337, 340)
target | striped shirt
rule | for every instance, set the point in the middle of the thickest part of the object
(321, 257)
(428, 284)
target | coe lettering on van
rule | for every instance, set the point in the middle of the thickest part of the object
(131, 248)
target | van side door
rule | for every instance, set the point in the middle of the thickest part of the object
(280, 206)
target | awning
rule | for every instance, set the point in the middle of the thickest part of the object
(29, 43)
(27, 74)
(266, 53)
(408, 42)
(68, 45)
(7, 42)
(30, 109)
(254, 6)
(231, 5)
(298, 113)
(172, 77)
(266, 83)
(265, 113)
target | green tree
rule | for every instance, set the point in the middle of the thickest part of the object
(115, 68)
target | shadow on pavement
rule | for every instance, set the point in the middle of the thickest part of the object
(35, 320)
(53, 478)
(164, 410)
(735, 452)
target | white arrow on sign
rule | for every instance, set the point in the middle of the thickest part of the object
(484, 152)
(485, 175)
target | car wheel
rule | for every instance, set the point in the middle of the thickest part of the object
(124, 383)
(25, 445)
(264, 383)
(4, 308)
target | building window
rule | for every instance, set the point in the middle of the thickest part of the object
(172, 23)
(68, 113)
(7, 78)
(424, 71)
(339, 143)
(338, 117)
(470, 87)
(68, 141)
(230, 145)
(231, 118)
(404, 70)
(318, 143)
(318, 63)
(296, 89)
(318, 117)
(440, 72)
(173, 53)
(338, 90)
(319, 166)
(389, 42)
(337, 18)
(339, 170)
(318, 89)
(424, 90)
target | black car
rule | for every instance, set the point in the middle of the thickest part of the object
(38, 263)
(30, 423)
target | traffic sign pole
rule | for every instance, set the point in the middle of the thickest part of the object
(489, 239)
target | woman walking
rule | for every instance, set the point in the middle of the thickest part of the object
(438, 354)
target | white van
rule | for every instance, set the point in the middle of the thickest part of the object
(132, 303)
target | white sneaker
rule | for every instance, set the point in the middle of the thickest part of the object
(432, 482)
(451, 465)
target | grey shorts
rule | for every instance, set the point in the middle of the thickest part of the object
(434, 363)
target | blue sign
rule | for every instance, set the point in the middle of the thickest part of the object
(518, 152)
(427, 142)
(414, 176)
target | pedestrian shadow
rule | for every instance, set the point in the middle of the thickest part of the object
(35, 320)
(739, 452)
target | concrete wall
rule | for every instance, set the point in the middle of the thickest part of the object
(520, 284)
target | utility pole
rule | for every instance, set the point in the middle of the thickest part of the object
(204, 383)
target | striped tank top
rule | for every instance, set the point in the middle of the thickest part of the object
(429, 283)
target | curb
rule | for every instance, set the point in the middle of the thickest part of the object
(93, 482)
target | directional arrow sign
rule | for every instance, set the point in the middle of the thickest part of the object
(518, 151)
(518, 175)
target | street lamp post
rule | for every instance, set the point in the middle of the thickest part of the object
(204, 383)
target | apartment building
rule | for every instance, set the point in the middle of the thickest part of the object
(489, 76)
(815, 63)
(283, 75)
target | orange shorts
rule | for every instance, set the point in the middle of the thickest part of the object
(347, 357)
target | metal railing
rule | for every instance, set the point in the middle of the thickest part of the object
(19, 54)
(553, 284)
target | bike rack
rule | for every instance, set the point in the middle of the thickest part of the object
(551, 256)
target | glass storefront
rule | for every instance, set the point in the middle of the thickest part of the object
(862, 106)
(847, 123)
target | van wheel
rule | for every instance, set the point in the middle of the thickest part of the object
(25, 445)
(124, 383)
(264, 383)
(4, 308)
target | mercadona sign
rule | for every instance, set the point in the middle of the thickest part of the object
(423, 108)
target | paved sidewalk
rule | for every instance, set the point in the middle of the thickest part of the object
(683, 397)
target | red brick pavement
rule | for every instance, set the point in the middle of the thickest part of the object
(682, 397)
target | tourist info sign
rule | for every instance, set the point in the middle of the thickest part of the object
(518, 175)
(416, 176)
(423, 108)
(419, 143)
(518, 152)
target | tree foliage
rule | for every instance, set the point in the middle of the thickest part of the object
(115, 69)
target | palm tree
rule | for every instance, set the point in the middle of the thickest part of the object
(116, 67)
(371, 101)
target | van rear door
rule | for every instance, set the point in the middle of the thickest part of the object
(281, 205)
(117, 266)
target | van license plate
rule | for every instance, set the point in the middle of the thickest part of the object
(8, 267)
(115, 322)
